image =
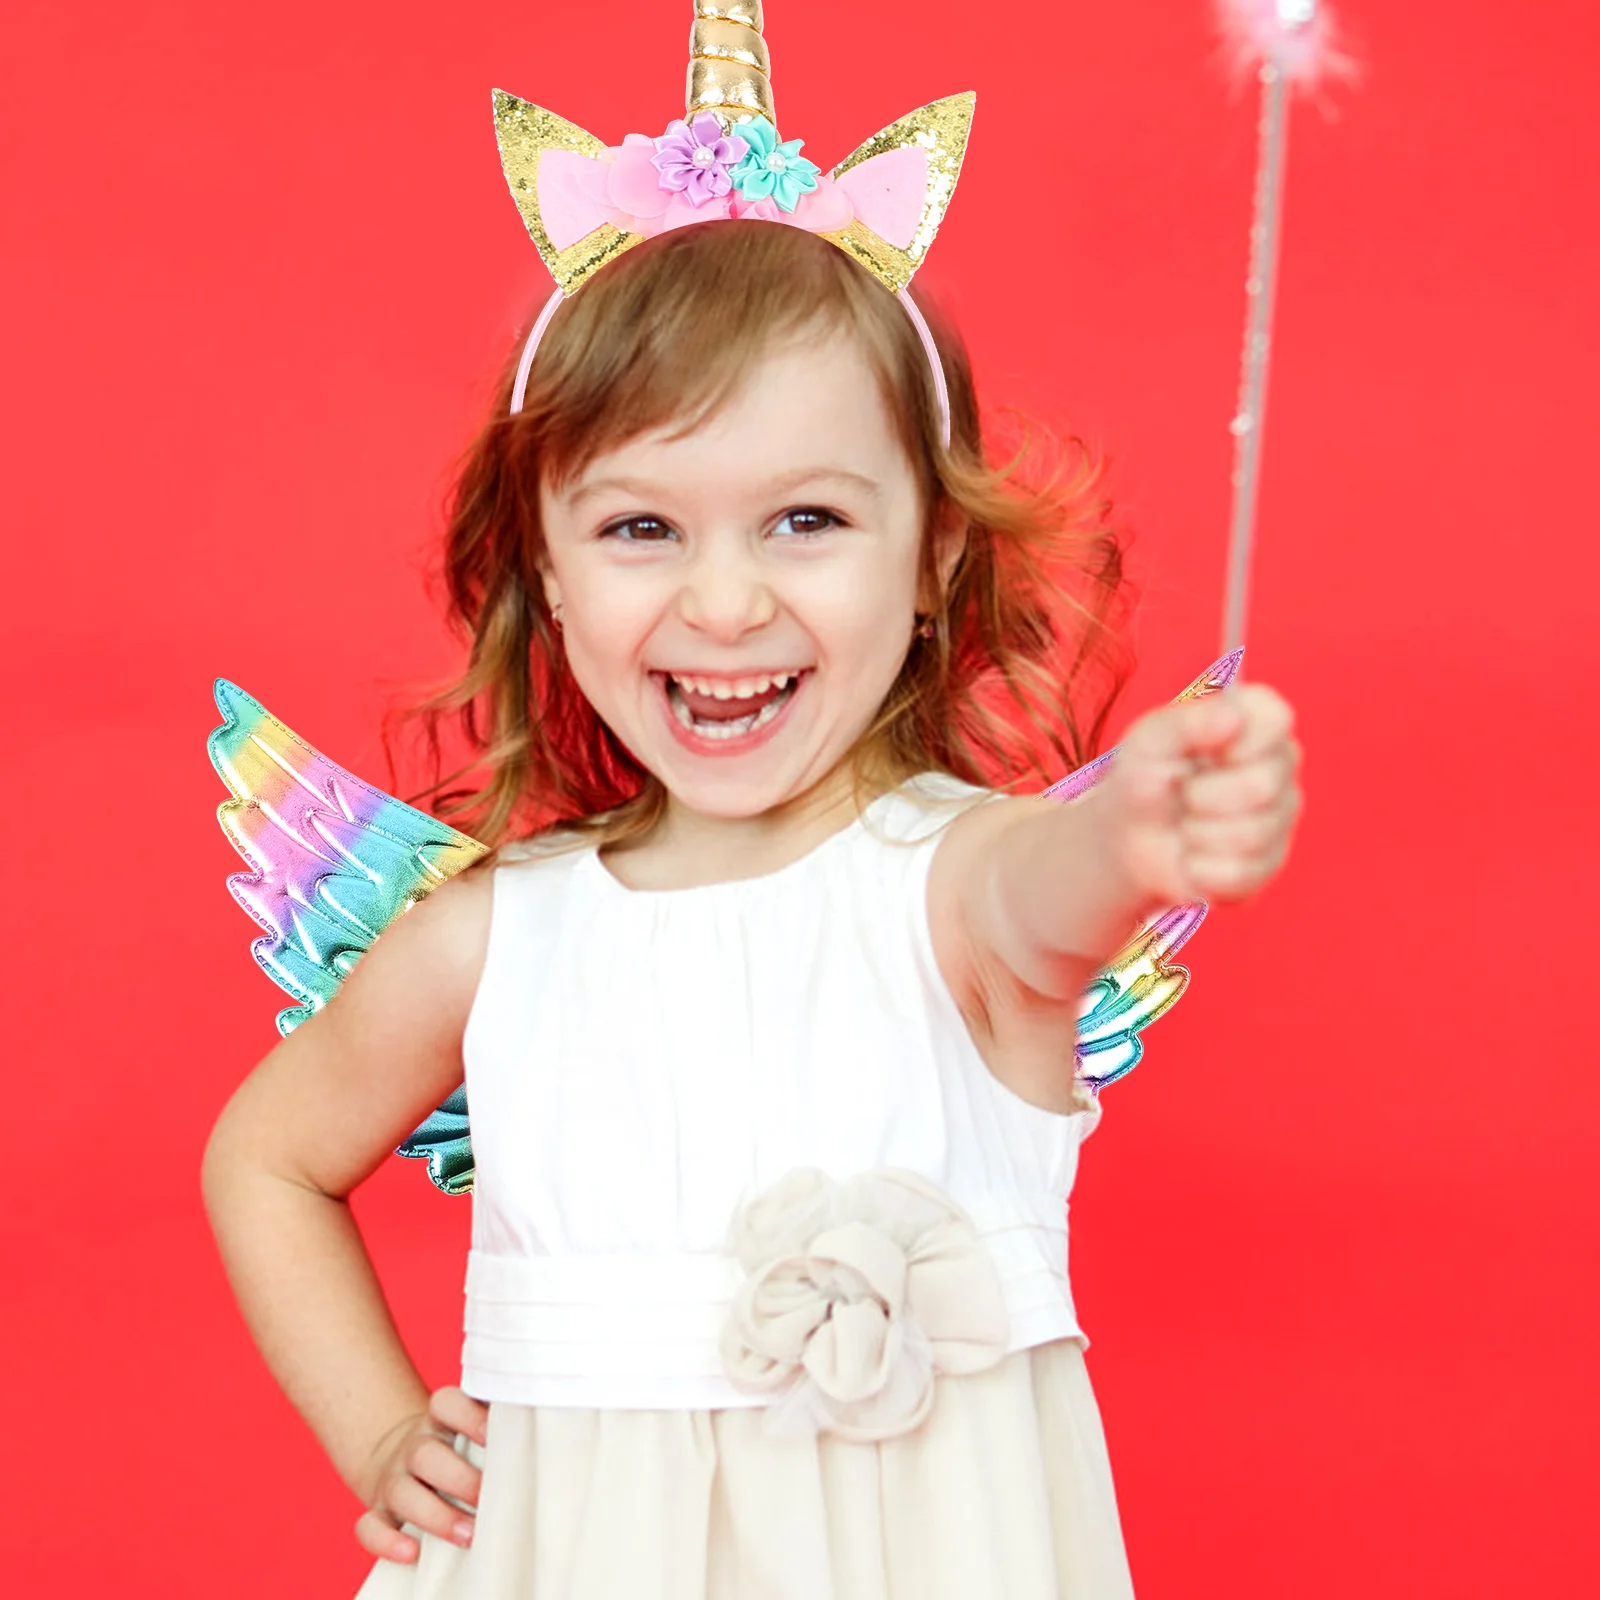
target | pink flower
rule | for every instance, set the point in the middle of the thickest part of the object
(681, 212)
(694, 161)
(827, 209)
(634, 185)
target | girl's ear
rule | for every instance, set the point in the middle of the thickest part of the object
(949, 546)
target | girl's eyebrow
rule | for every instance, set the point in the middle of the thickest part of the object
(807, 475)
(786, 485)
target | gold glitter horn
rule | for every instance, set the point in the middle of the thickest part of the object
(730, 73)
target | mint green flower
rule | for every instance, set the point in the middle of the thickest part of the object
(772, 171)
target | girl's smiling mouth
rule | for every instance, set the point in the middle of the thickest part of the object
(726, 715)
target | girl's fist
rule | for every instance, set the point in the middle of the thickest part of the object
(1204, 798)
(415, 1467)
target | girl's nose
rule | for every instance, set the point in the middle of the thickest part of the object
(726, 598)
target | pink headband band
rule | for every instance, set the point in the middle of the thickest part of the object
(924, 333)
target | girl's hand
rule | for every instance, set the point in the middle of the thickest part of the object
(413, 1467)
(1204, 798)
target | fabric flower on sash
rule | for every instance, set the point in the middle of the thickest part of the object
(856, 1296)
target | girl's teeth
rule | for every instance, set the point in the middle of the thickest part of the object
(734, 689)
(739, 725)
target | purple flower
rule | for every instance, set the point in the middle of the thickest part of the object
(695, 161)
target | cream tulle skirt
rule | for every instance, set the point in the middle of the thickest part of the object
(1004, 1493)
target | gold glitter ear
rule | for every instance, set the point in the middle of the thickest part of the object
(940, 131)
(525, 132)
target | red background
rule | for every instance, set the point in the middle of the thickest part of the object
(1335, 1242)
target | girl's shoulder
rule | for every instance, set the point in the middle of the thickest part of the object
(564, 862)
(923, 807)
(558, 844)
(914, 809)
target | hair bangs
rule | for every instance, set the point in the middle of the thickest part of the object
(664, 339)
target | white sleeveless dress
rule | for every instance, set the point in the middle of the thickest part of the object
(768, 1291)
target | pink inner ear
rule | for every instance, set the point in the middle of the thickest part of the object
(889, 192)
(571, 196)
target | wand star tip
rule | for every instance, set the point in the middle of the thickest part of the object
(1298, 38)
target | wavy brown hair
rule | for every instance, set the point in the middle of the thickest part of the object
(1028, 649)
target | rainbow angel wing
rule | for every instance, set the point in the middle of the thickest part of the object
(1138, 984)
(333, 862)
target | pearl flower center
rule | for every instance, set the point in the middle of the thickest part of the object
(777, 161)
(703, 157)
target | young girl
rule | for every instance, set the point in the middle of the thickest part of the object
(768, 1039)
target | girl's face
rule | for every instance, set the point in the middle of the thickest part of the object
(736, 602)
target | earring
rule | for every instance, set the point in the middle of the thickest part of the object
(555, 616)
(925, 628)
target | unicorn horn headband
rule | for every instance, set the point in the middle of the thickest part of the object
(586, 203)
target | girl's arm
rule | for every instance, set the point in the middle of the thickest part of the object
(1028, 898)
(318, 1116)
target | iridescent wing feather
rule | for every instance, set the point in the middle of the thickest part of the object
(333, 862)
(1134, 988)
(1139, 983)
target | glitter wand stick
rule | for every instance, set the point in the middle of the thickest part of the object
(1285, 42)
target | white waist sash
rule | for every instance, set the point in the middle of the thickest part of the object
(640, 1332)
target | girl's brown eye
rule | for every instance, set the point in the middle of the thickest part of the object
(806, 522)
(637, 530)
